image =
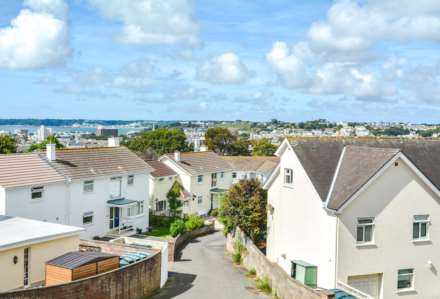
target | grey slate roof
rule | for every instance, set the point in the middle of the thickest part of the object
(320, 156)
(75, 259)
(201, 162)
(358, 165)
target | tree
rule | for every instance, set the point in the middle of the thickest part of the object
(244, 206)
(263, 147)
(51, 139)
(174, 204)
(219, 140)
(159, 141)
(240, 148)
(7, 144)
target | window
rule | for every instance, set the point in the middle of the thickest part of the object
(200, 199)
(37, 192)
(88, 186)
(115, 187)
(405, 279)
(170, 178)
(234, 175)
(222, 175)
(200, 178)
(88, 218)
(161, 205)
(26, 267)
(130, 180)
(213, 179)
(420, 227)
(288, 176)
(136, 209)
(364, 230)
(161, 179)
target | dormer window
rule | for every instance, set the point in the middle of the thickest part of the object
(288, 176)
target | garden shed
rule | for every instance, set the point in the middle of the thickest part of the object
(79, 264)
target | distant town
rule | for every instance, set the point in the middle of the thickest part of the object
(88, 133)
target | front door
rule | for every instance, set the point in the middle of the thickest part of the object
(114, 217)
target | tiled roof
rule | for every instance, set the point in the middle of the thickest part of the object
(99, 161)
(19, 170)
(320, 156)
(201, 162)
(160, 169)
(262, 164)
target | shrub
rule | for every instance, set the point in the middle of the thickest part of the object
(213, 212)
(193, 222)
(177, 227)
(236, 258)
(263, 285)
(251, 273)
(238, 249)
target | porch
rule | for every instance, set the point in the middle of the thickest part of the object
(125, 216)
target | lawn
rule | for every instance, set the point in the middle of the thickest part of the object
(162, 232)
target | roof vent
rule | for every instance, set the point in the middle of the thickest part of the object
(51, 153)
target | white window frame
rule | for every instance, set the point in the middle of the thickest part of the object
(35, 190)
(88, 214)
(420, 220)
(412, 279)
(288, 176)
(130, 180)
(200, 199)
(88, 186)
(161, 205)
(136, 209)
(362, 224)
(200, 178)
(119, 179)
(234, 175)
(222, 175)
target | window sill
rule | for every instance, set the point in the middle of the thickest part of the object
(421, 241)
(366, 245)
(36, 200)
(406, 291)
(288, 186)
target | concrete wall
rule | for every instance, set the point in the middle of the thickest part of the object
(393, 199)
(299, 228)
(136, 281)
(11, 275)
(282, 284)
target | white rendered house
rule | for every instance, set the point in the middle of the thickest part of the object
(365, 211)
(104, 190)
(251, 167)
(203, 175)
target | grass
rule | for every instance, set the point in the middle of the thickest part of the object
(236, 258)
(251, 273)
(263, 285)
(161, 232)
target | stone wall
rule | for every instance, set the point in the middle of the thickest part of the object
(136, 281)
(282, 284)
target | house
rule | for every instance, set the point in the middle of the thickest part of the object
(103, 190)
(161, 180)
(26, 245)
(364, 211)
(249, 167)
(203, 175)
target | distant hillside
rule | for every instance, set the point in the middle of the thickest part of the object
(62, 122)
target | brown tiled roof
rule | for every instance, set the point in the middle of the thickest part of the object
(357, 166)
(320, 156)
(262, 164)
(160, 169)
(201, 162)
(19, 170)
(99, 161)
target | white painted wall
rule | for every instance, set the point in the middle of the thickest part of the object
(2, 201)
(242, 175)
(393, 199)
(159, 188)
(299, 228)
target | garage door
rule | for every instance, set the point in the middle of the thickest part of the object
(368, 284)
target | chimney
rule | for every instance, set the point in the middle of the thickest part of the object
(203, 148)
(177, 156)
(113, 141)
(51, 152)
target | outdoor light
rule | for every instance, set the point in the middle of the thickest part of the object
(15, 259)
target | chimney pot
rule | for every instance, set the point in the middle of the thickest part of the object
(113, 142)
(177, 156)
(51, 154)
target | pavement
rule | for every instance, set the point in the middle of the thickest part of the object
(203, 270)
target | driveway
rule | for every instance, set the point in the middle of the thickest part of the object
(204, 271)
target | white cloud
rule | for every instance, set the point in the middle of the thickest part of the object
(37, 37)
(152, 21)
(224, 69)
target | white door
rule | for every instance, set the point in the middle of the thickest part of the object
(368, 284)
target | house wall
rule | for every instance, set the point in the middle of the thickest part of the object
(52, 207)
(241, 175)
(299, 228)
(160, 190)
(11, 275)
(96, 202)
(2, 201)
(393, 199)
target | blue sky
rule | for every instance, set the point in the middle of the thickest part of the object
(366, 60)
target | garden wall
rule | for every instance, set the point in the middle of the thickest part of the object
(136, 281)
(282, 284)
(176, 245)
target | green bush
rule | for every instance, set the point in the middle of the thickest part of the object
(193, 222)
(213, 213)
(251, 273)
(160, 221)
(263, 285)
(236, 258)
(177, 227)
